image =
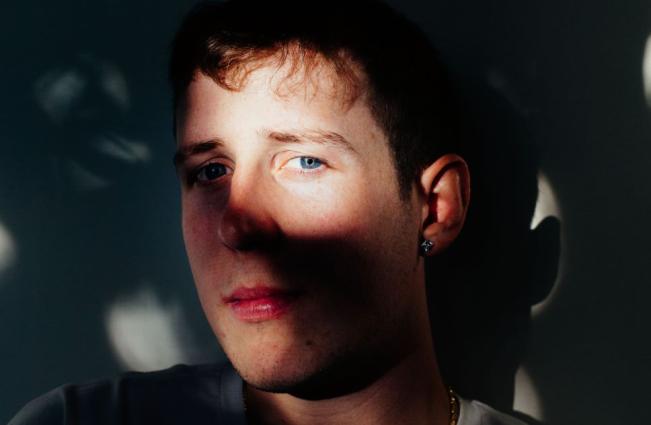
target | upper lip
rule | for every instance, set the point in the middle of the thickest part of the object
(242, 293)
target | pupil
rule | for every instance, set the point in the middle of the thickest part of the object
(213, 171)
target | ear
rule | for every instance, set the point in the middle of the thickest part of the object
(445, 185)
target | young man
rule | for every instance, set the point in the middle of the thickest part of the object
(315, 150)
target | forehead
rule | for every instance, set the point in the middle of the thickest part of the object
(277, 98)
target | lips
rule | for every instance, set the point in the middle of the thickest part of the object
(260, 303)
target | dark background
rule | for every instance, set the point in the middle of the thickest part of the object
(93, 276)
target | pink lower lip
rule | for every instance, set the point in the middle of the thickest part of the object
(259, 306)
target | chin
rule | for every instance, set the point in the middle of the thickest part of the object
(277, 355)
(282, 381)
(270, 368)
(308, 373)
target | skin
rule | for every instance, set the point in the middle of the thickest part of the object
(355, 346)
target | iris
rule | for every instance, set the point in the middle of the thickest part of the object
(310, 163)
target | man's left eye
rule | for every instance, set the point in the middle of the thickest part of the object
(305, 163)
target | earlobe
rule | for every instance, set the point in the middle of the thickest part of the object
(446, 189)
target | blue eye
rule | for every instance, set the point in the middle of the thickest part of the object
(210, 172)
(310, 163)
(304, 163)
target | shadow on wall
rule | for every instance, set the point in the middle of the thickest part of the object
(106, 179)
(482, 290)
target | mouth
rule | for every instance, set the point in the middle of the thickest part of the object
(260, 303)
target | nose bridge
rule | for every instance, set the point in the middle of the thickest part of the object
(247, 222)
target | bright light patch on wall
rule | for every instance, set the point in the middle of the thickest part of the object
(646, 71)
(144, 333)
(526, 397)
(114, 84)
(57, 91)
(7, 249)
(83, 178)
(547, 205)
(123, 149)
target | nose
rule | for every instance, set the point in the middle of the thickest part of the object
(248, 222)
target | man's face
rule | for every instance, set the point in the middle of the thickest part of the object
(303, 254)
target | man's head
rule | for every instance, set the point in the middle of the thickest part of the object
(311, 158)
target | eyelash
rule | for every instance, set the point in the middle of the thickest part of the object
(193, 177)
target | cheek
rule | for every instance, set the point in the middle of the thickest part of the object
(328, 211)
(192, 225)
(367, 222)
(207, 263)
(347, 232)
(199, 233)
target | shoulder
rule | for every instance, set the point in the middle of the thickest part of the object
(181, 394)
(46, 409)
(473, 412)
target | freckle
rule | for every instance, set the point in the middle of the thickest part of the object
(309, 343)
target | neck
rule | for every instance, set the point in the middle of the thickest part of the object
(410, 392)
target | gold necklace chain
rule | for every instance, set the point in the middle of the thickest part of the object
(454, 406)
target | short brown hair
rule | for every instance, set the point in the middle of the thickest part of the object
(407, 87)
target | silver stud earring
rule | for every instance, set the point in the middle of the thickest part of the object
(426, 246)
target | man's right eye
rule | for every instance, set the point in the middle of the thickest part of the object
(209, 173)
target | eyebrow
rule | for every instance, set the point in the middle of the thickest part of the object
(321, 137)
(195, 148)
